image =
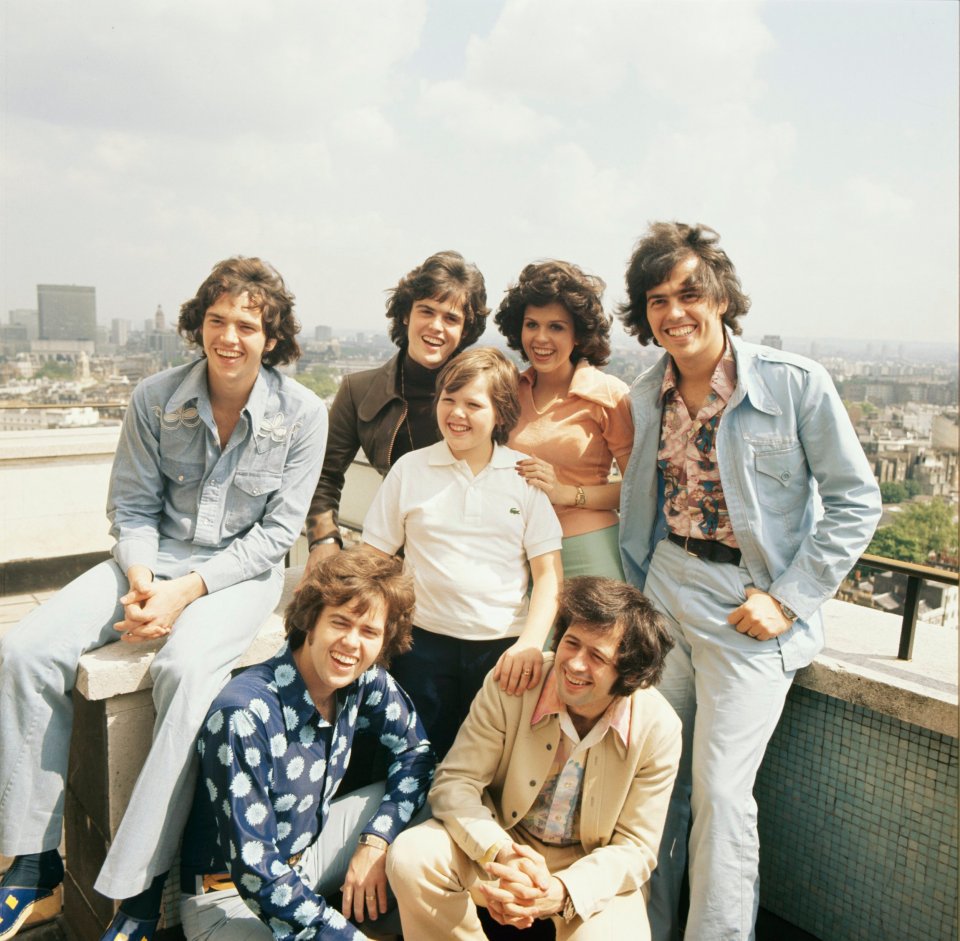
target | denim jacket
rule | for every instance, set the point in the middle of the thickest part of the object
(244, 506)
(802, 499)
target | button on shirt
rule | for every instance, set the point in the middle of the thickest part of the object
(242, 506)
(466, 538)
(694, 504)
(554, 816)
(271, 765)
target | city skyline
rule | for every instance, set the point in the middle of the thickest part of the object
(344, 144)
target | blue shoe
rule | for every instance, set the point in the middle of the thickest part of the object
(22, 907)
(125, 928)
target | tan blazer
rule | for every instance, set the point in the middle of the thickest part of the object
(498, 764)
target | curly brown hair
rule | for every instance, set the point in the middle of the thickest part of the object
(267, 292)
(359, 576)
(559, 282)
(605, 604)
(443, 276)
(502, 384)
(665, 245)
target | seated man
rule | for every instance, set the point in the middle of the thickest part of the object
(214, 469)
(560, 794)
(274, 750)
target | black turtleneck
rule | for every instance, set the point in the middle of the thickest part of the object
(415, 383)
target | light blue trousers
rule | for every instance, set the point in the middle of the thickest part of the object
(729, 691)
(38, 668)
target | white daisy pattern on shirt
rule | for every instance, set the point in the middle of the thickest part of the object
(271, 765)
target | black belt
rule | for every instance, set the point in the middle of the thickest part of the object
(708, 549)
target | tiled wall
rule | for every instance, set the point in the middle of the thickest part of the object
(858, 824)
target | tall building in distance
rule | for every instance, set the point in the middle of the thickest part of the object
(774, 340)
(29, 319)
(67, 312)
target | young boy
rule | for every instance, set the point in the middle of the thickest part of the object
(471, 530)
(213, 474)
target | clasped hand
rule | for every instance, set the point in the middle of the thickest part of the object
(151, 607)
(524, 889)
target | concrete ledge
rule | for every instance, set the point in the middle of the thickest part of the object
(118, 669)
(859, 665)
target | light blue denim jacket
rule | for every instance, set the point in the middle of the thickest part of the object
(242, 508)
(802, 499)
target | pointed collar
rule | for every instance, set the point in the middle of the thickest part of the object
(616, 717)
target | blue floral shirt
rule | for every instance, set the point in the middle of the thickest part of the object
(271, 765)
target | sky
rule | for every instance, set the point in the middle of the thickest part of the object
(345, 142)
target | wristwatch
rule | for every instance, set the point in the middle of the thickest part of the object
(326, 541)
(371, 839)
(787, 611)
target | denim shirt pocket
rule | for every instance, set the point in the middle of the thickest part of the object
(782, 477)
(182, 481)
(248, 497)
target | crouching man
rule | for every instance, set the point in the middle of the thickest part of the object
(551, 804)
(273, 751)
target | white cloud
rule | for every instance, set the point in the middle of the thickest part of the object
(482, 117)
(876, 198)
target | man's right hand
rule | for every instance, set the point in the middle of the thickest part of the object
(325, 551)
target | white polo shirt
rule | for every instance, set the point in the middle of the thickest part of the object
(467, 538)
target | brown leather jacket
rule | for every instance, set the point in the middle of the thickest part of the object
(366, 413)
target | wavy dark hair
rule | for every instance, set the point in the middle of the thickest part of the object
(267, 292)
(665, 245)
(502, 384)
(359, 576)
(559, 282)
(604, 604)
(444, 276)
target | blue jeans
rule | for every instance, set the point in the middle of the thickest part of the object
(441, 675)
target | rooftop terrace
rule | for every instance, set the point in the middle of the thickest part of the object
(857, 795)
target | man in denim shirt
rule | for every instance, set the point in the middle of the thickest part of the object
(274, 750)
(212, 478)
(746, 501)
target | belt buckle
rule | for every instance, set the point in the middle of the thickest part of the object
(686, 547)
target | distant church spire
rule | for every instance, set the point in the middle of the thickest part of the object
(159, 321)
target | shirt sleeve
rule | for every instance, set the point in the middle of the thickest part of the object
(384, 525)
(269, 539)
(342, 448)
(542, 532)
(618, 429)
(135, 497)
(234, 748)
(386, 710)
(848, 492)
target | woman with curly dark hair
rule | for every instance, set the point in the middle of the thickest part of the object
(574, 419)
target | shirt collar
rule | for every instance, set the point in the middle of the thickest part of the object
(440, 455)
(616, 717)
(194, 388)
(587, 383)
(723, 381)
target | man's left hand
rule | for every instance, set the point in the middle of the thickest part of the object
(365, 887)
(760, 616)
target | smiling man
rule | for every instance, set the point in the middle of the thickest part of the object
(746, 501)
(214, 469)
(551, 804)
(274, 750)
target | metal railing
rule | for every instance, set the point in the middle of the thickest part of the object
(916, 575)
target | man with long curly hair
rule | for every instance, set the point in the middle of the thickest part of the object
(550, 805)
(211, 481)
